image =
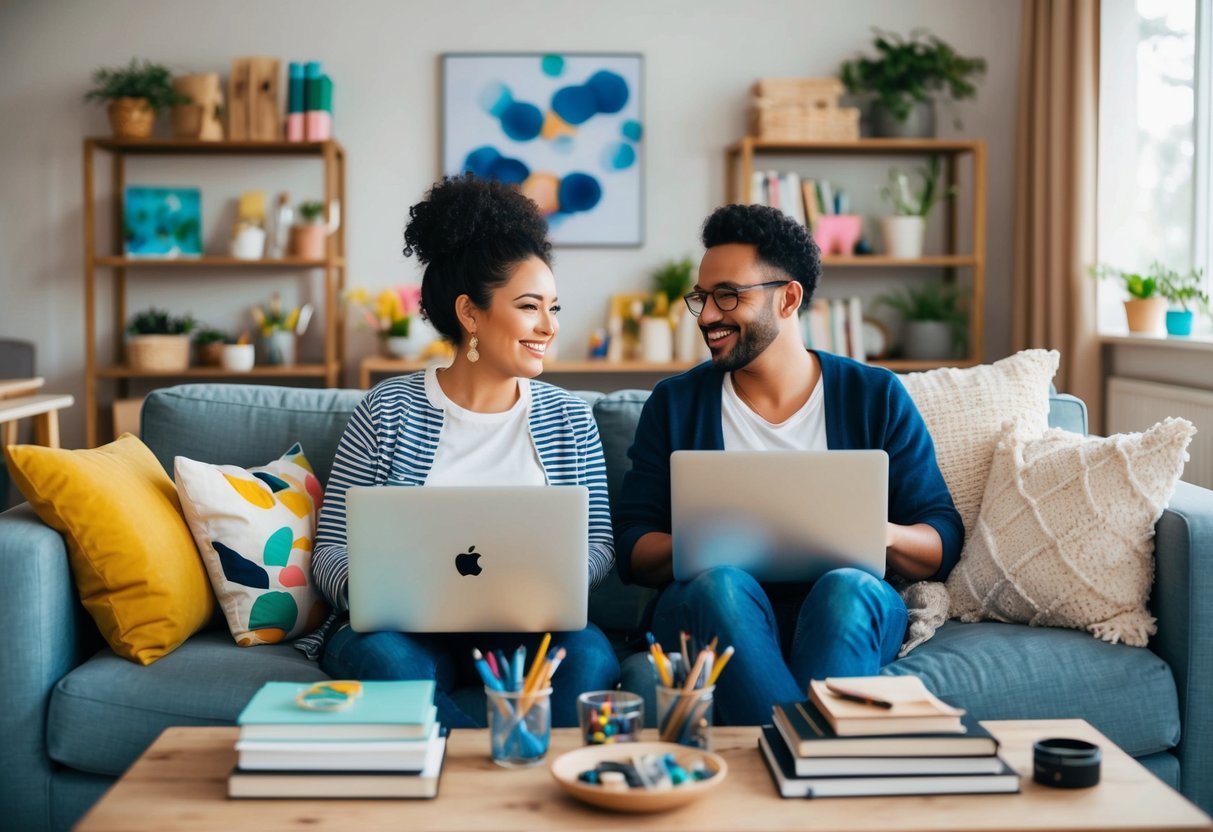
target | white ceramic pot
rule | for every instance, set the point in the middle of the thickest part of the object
(689, 345)
(278, 348)
(927, 340)
(239, 358)
(903, 236)
(249, 243)
(656, 340)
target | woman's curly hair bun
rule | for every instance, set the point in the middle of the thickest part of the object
(462, 211)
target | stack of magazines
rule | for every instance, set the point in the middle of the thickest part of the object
(339, 740)
(879, 735)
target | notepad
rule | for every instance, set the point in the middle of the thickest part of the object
(914, 708)
(385, 710)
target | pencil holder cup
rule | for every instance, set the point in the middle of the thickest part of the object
(520, 726)
(610, 716)
(685, 716)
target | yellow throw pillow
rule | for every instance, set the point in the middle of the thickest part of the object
(135, 564)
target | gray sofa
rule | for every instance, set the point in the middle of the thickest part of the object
(75, 716)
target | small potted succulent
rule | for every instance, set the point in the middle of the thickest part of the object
(905, 75)
(136, 94)
(210, 344)
(936, 323)
(159, 342)
(308, 237)
(1146, 307)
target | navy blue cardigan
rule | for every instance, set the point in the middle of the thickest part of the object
(865, 408)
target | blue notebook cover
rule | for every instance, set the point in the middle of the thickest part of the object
(381, 703)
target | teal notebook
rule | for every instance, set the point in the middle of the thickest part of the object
(385, 710)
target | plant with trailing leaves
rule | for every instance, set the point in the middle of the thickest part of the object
(146, 80)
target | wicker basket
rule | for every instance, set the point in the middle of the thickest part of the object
(796, 123)
(158, 353)
(804, 92)
(131, 118)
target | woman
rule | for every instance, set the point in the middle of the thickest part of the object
(488, 288)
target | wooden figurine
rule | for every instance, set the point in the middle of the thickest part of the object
(201, 118)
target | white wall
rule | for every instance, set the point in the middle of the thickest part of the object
(700, 59)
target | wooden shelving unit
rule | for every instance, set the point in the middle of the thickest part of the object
(111, 369)
(739, 167)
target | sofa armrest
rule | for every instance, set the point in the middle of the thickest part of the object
(1183, 586)
(38, 611)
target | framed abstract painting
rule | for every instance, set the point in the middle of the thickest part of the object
(566, 128)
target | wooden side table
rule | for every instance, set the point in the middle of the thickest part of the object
(43, 408)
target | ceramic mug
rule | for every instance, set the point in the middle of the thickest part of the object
(237, 357)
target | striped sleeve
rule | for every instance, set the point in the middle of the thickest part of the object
(592, 474)
(353, 464)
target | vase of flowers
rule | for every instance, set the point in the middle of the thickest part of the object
(393, 315)
(280, 330)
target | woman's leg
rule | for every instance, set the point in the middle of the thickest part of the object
(396, 656)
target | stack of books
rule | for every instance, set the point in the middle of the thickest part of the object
(880, 735)
(386, 744)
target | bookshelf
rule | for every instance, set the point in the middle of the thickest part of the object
(960, 257)
(106, 366)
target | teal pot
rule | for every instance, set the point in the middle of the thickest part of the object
(1179, 321)
(919, 124)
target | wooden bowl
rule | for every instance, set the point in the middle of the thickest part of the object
(566, 767)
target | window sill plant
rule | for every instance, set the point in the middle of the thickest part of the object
(904, 78)
(1146, 306)
(1186, 292)
(158, 342)
(136, 94)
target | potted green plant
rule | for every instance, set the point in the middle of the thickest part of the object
(308, 237)
(905, 230)
(210, 344)
(936, 321)
(905, 76)
(136, 94)
(1185, 291)
(157, 341)
(1146, 308)
(673, 279)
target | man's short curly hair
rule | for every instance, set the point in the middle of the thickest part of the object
(470, 233)
(781, 242)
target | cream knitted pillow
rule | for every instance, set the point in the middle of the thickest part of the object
(1066, 532)
(965, 409)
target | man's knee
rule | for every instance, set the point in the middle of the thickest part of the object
(846, 593)
(722, 587)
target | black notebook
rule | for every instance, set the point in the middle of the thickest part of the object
(817, 738)
(782, 767)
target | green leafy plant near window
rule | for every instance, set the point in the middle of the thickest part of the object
(910, 69)
(1183, 289)
(905, 202)
(1138, 285)
(932, 302)
(159, 322)
(146, 80)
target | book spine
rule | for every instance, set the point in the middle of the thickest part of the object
(311, 98)
(294, 103)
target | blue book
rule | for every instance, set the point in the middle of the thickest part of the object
(384, 711)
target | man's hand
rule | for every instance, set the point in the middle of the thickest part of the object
(914, 552)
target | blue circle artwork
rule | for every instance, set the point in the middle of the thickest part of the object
(609, 89)
(618, 156)
(552, 65)
(509, 171)
(579, 192)
(574, 104)
(632, 130)
(495, 98)
(521, 122)
(480, 161)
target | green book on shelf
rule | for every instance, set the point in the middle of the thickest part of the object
(385, 710)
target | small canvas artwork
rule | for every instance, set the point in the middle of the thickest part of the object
(566, 128)
(162, 222)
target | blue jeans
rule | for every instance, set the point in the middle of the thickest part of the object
(849, 625)
(447, 659)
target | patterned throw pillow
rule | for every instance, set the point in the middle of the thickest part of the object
(1066, 532)
(255, 530)
(964, 410)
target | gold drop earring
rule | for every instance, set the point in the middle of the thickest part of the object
(473, 355)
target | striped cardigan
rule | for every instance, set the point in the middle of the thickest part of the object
(391, 439)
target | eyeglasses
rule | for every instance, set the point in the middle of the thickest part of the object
(725, 297)
(329, 696)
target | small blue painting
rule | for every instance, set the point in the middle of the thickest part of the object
(162, 222)
(566, 129)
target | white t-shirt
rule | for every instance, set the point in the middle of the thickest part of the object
(745, 430)
(483, 448)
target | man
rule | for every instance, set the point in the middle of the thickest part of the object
(764, 391)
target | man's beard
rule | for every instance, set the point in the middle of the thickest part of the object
(752, 339)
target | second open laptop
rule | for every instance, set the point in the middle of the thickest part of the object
(475, 559)
(779, 515)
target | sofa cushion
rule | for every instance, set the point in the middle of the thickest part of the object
(132, 557)
(107, 711)
(1012, 671)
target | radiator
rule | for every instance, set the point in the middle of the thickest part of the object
(1135, 405)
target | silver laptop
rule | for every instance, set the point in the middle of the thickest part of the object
(451, 559)
(779, 515)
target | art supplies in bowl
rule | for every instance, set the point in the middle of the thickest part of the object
(639, 777)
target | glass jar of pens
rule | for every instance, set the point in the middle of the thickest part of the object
(685, 690)
(519, 703)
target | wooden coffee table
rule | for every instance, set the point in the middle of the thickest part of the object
(180, 783)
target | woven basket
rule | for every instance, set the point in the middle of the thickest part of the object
(158, 353)
(784, 123)
(804, 92)
(131, 118)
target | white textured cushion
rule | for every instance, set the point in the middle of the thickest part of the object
(965, 409)
(1066, 532)
(254, 529)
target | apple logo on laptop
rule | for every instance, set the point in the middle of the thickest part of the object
(468, 563)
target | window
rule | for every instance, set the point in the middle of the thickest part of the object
(1154, 143)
